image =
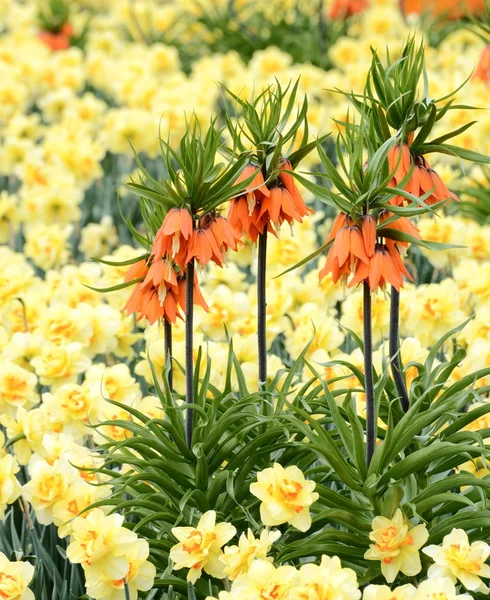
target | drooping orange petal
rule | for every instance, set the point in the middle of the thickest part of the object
(390, 273)
(338, 224)
(356, 244)
(137, 270)
(257, 184)
(361, 273)
(274, 203)
(369, 234)
(375, 270)
(398, 262)
(288, 207)
(341, 245)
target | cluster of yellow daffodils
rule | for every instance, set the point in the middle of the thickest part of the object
(310, 582)
(112, 556)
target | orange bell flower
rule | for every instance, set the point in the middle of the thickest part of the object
(347, 250)
(423, 177)
(290, 185)
(384, 267)
(174, 236)
(223, 233)
(400, 224)
(55, 41)
(244, 212)
(161, 292)
(347, 8)
(369, 234)
(482, 71)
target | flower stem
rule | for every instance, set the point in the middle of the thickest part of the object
(261, 309)
(368, 374)
(167, 331)
(189, 359)
(395, 350)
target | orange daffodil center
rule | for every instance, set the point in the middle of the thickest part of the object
(286, 496)
(396, 545)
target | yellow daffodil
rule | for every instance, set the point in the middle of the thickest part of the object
(264, 581)
(285, 495)
(199, 548)
(140, 576)
(14, 579)
(440, 588)
(396, 545)
(383, 592)
(10, 488)
(101, 543)
(237, 559)
(460, 560)
(325, 581)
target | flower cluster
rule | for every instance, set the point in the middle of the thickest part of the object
(112, 556)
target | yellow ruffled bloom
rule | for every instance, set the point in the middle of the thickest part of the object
(10, 488)
(199, 548)
(101, 543)
(264, 581)
(286, 496)
(325, 581)
(441, 588)
(383, 592)
(14, 579)
(238, 559)
(47, 486)
(396, 545)
(140, 576)
(459, 560)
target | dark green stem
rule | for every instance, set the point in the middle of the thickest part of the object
(395, 350)
(261, 309)
(189, 359)
(167, 332)
(368, 374)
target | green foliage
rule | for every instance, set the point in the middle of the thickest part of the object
(192, 177)
(53, 14)
(475, 200)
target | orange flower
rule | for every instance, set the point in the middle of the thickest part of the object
(482, 70)
(347, 250)
(369, 234)
(160, 294)
(347, 8)
(244, 213)
(356, 252)
(223, 232)
(385, 267)
(290, 185)
(55, 41)
(258, 208)
(401, 224)
(174, 236)
(423, 177)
